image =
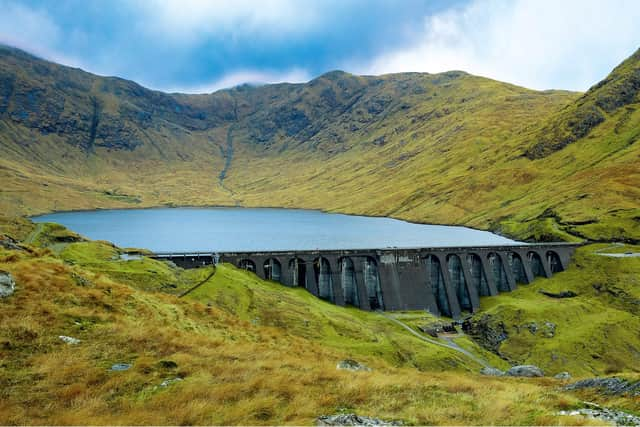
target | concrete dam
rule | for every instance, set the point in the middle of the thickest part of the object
(444, 281)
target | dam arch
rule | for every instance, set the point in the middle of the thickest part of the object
(324, 282)
(459, 282)
(517, 268)
(272, 269)
(478, 275)
(554, 262)
(498, 272)
(349, 281)
(371, 277)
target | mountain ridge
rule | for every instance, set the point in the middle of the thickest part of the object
(441, 148)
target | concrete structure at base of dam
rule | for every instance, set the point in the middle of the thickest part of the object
(444, 281)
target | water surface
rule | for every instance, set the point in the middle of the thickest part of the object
(248, 229)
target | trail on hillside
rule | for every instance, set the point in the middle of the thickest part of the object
(451, 345)
(32, 236)
(197, 285)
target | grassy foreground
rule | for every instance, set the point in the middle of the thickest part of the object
(248, 351)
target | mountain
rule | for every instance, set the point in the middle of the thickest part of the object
(440, 148)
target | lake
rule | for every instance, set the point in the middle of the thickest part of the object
(249, 229)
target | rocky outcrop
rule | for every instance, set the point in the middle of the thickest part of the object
(487, 332)
(609, 386)
(7, 284)
(353, 420)
(525, 371)
(597, 412)
(352, 365)
(8, 242)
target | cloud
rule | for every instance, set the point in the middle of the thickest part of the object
(236, 78)
(540, 44)
(33, 30)
(26, 28)
(189, 20)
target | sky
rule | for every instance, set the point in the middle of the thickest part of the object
(199, 46)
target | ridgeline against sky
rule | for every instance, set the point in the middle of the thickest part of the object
(202, 46)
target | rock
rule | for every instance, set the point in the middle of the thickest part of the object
(525, 371)
(611, 386)
(120, 366)
(549, 330)
(594, 411)
(7, 284)
(562, 294)
(562, 376)
(7, 242)
(434, 329)
(170, 381)
(352, 365)
(353, 420)
(69, 340)
(493, 372)
(487, 332)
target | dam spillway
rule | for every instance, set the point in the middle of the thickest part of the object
(443, 280)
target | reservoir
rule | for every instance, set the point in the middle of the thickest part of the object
(261, 229)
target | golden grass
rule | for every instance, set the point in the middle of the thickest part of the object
(235, 372)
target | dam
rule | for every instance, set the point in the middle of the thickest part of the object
(445, 281)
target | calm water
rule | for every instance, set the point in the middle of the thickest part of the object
(244, 229)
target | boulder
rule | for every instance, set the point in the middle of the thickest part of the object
(352, 365)
(7, 284)
(562, 376)
(525, 371)
(493, 372)
(353, 420)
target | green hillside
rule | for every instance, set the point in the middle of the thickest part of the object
(253, 352)
(441, 148)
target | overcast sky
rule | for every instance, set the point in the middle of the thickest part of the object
(204, 45)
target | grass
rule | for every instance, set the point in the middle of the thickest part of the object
(249, 352)
(596, 332)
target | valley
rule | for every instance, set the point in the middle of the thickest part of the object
(159, 344)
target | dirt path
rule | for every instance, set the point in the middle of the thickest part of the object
(32, 236)
(449, 342)
(193, 288)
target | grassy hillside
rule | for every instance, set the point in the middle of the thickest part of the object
(247, 351)
(441, 148)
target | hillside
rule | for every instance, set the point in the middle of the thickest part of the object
(72, 140)
(443, 148)
(253, 352)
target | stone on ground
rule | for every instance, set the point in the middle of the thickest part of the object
(352, 365)
(7, 284)
(353, 420)
(525, 371)
(69, 340)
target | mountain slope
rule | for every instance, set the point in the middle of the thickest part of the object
(443, 148)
